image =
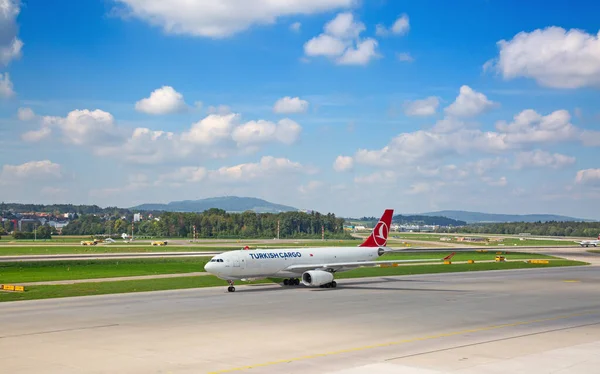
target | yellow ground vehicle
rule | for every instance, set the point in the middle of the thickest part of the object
(89, 242)
(159, 242)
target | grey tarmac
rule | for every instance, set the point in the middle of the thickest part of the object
(517, 321)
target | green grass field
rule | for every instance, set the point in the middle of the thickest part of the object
(36, 271)
(86, 289)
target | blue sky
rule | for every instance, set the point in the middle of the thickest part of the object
(341, 106)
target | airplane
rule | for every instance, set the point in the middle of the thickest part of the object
(314, 266)
(587, 243)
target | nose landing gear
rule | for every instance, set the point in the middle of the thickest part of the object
(230, 288)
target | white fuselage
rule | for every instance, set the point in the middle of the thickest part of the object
(265, 263)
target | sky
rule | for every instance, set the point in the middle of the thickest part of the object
(342, 106)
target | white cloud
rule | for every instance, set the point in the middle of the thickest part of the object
(310, 187)
(343, 163)
(186, 174)
(36, 135)
(10, 45)
(25, 114)
(404, 57)
(588, 176)
(135, 182)
(146, 146)
(83, 127)
(590, 138)
(384, 177)
(553, 57)
(220, 109)
(452, 137)
(254, 132)
(215, 136)
(400, 27)
(420, 146)
(163, 100)
(469, 103)
(539, 158)
(481, 167)
(212, 129)
(501, 182)
(531, 127)
(450, 124)
(324, 45)
(6, 86)
(424, 107)
(341, 42)
(29, 171)
(295, 27)
(268, 166)
(224, 18)
(290, 105)
(364, 52)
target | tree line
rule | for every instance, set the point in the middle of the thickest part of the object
(550, 228)
(216, 223)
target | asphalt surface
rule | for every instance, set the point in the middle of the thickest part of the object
(516, 321)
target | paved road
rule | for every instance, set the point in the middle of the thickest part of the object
(519, 321)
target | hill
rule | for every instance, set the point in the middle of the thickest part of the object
(227, 203)
(477, 217)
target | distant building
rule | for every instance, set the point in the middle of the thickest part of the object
(471, 239)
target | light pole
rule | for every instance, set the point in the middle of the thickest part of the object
(34, 231)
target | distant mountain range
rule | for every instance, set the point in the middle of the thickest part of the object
(227, 203)
(477, 217)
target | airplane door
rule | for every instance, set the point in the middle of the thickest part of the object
(236, 262)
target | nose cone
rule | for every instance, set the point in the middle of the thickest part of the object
(210, 267)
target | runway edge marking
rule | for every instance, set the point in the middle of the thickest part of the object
(400, 342)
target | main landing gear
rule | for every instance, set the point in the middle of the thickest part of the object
(329, 285)
(291, 282)
(230, 288)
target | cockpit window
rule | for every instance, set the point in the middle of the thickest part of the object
(216, 260)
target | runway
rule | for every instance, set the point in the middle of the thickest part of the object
(517, 321)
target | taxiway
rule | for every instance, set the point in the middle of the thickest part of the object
(530, 321)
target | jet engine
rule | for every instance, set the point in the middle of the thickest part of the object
(316, 278)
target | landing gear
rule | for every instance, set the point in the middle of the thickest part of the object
(230, 288)
(291, 282)
(332, 284)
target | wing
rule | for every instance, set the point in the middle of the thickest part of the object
(334, 266)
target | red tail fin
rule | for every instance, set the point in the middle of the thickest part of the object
(378, 237)
(449, 256)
